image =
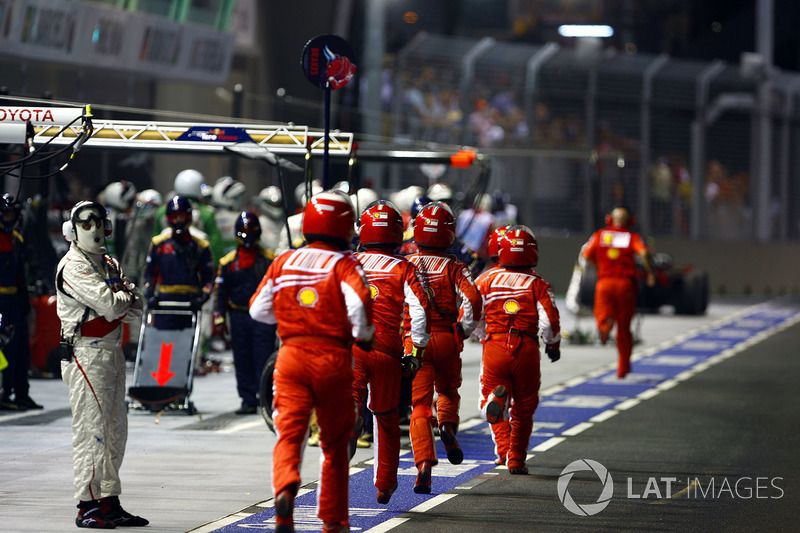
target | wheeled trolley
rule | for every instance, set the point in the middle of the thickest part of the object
(169, 339)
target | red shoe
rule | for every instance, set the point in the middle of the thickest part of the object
(336, 527)
(384, 495)
(284, 512)
(495, 408)
(423, 483)
(448, 436)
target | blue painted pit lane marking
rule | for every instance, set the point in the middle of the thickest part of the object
(568, 411)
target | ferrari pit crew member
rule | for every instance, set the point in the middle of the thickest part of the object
(389, 276)
(518, 307)
(93, 298)
(179, 267)
(451, 293)
(252, 342)
(319, 298)
(613, 249)
(501, 431)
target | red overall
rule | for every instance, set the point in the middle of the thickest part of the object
(613, 249)
(518, 307)
(453, 295)
(389, 277)
(320, 300)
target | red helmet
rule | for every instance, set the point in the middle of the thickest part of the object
(435, 226)
(494, 241)
(381, 223)
(329, 216)
(518, 247)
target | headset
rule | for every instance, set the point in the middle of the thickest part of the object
(631, 219)
(68, 227)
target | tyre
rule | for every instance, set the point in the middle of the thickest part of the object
(692, 298)
(265, 391)
(586, 293)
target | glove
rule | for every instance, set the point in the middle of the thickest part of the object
(152, 302)
(553, 351)
(365, 345)
(198, 300)
(219, 328)
(411, 362)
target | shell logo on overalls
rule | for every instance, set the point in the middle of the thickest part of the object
(511, 306)
(308, 297)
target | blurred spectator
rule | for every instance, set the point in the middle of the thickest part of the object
(661, 196)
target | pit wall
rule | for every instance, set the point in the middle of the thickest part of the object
(734, 268)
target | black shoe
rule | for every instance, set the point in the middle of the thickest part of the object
(91, 517)
(448, 436)
(111, 508)
(385, 495)
(495, 408)
(284, 512)
(28, 403)
(7, 404)
(246, 410)
(518, 470)
(423, 483)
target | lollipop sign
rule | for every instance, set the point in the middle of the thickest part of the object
(328, 61)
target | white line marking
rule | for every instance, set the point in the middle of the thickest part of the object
(578, 428)
(605, 415)
(389, 524)
(433, 502)
(549, 443)
(627, 404)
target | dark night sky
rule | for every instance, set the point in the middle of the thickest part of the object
(697, 29)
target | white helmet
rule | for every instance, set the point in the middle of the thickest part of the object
(362, 198)
(270, 202)
(483, 203)
(440, 192)
(120, 195)
(189, 183)
(227, 193)
(300, 191)
(88, 226)
(405, 197)
(149, 199)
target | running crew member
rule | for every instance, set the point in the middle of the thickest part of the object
(319, 298)
(501, 431)
(518, 307)
(613, 250)
(450, 287)
(389, 276)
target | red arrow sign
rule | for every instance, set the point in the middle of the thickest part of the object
(164, 375)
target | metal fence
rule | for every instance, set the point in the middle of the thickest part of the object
(573, 132)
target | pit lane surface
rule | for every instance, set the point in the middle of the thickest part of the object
(732, 420)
